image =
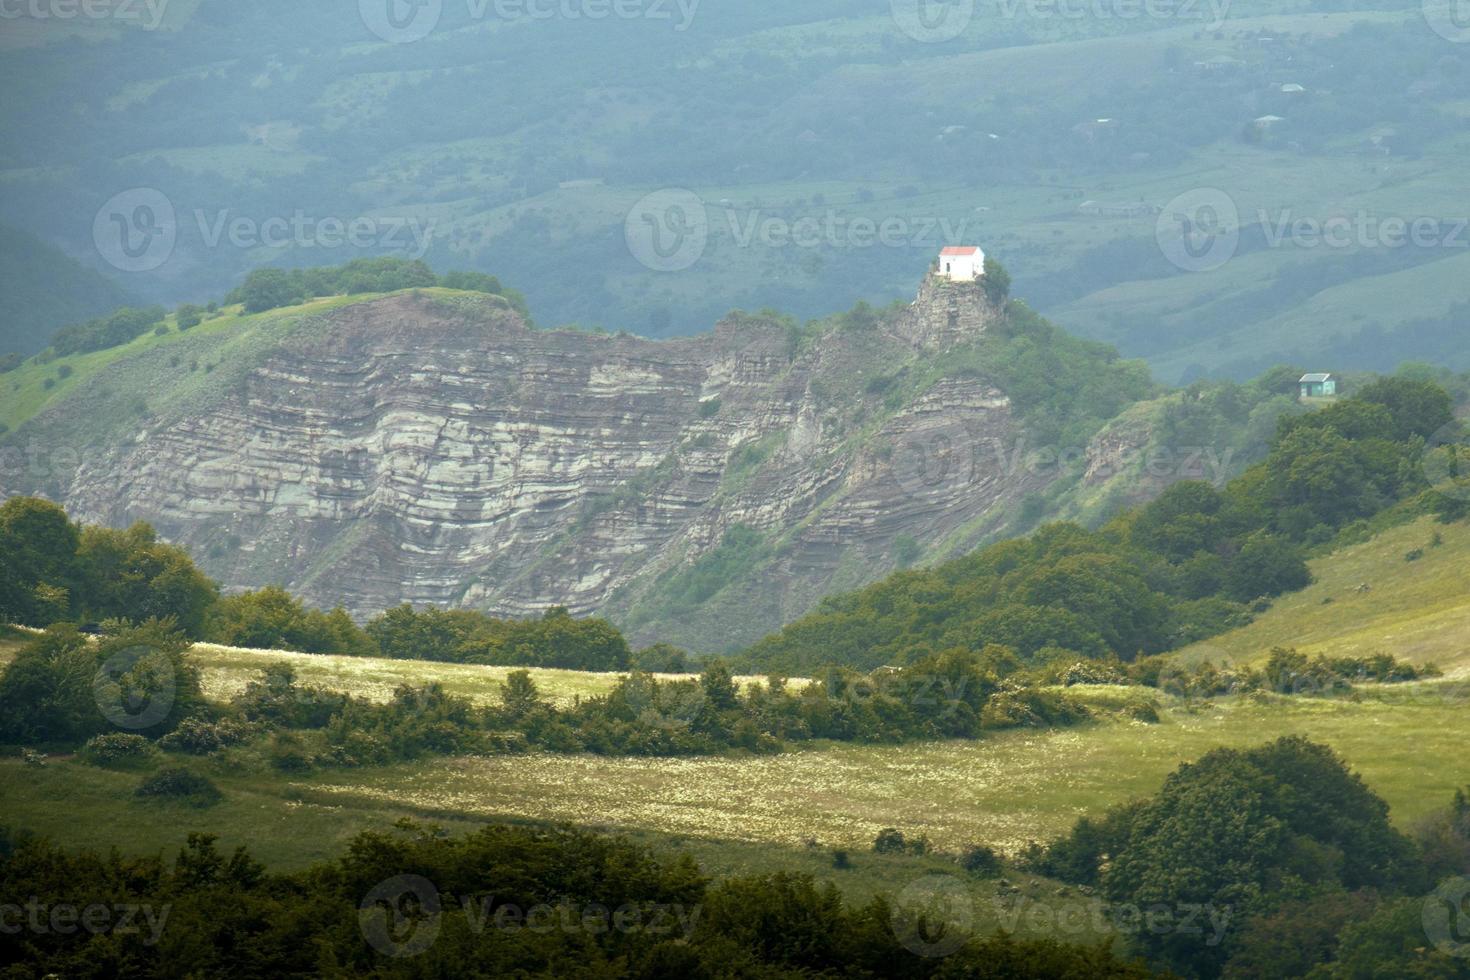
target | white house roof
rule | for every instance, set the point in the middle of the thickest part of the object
(1312, 379)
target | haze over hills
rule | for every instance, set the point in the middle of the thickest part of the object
(782, 136)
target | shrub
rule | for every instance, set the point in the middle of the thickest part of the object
(180, 785)
(981, 860)
(199, 737)
(119, 748)
(889, 841)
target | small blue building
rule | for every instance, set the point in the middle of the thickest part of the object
(1318, 386)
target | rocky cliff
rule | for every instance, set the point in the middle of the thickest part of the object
(431, 448)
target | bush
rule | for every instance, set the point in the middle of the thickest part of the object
(889, 841)
(119, 748)
(981, 860)
(198, 737)
(180, 785)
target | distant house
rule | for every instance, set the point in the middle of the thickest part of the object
(961, 263)
(1318, 386)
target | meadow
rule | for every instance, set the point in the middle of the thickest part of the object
(1416, 610)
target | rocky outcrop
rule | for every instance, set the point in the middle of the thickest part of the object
(411, 449)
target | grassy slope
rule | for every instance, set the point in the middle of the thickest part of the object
(24, 395)
(1419, 611)
(1005, 789)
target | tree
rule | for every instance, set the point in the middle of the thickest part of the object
(1266, 566)
(189, 316)
(63, 688)
(132, 575)
(38, 552)
(1418, 408)
(719, 686)
(268, 289)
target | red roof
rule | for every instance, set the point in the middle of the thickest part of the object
(960, 250)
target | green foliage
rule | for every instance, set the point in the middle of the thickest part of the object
(132, 575)
(1231, 830)
(1177, 570)
(118, 749)
(63, 688)
(682, 590)
(179, 785)
(101, 333)
(465, 636)
(195, 736)
(189, 316)
(227, 917)
(661, 658)
(273, 619)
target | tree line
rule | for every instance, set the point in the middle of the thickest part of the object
(1195, 562)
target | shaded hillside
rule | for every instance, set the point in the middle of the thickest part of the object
(42, 290)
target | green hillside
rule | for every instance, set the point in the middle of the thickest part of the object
(1418, 610)
(41, 290)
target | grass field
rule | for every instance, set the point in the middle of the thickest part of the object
(1416, 610)
(226, 671)
(1003, 790)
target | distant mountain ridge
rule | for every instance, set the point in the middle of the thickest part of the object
(427, 446)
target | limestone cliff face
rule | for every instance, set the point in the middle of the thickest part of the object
(410, 449)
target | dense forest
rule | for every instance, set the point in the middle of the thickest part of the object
(1187, 566)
